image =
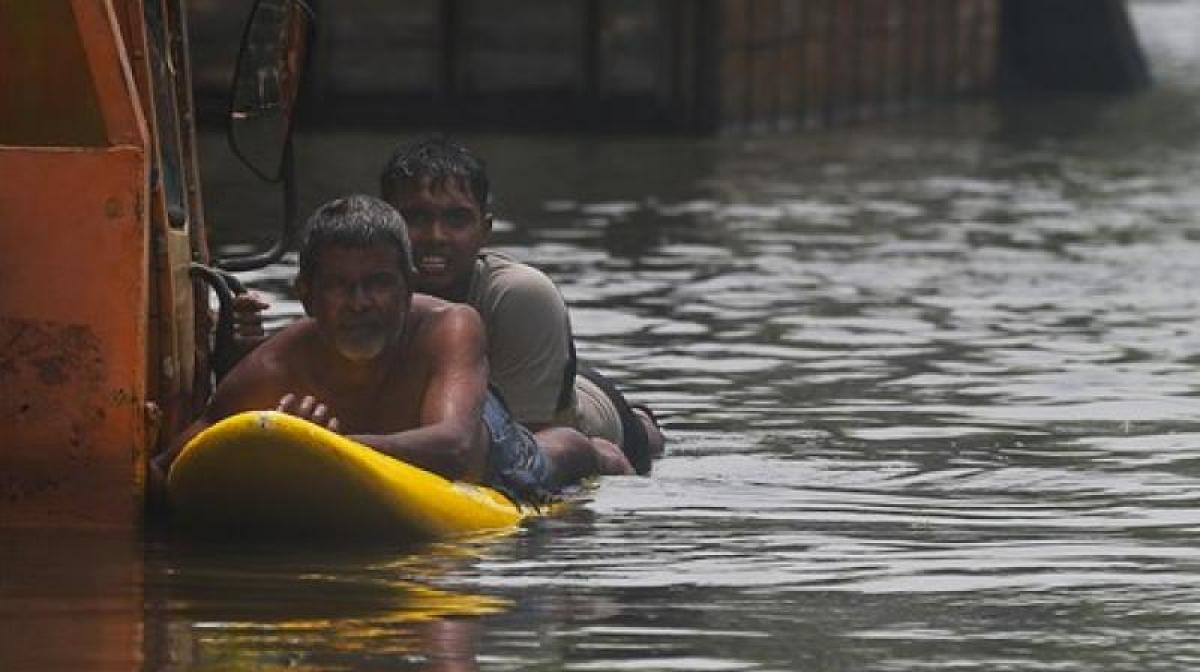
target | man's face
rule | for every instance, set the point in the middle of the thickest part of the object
(447, 228)
(358, 297)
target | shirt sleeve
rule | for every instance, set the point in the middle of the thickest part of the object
(529, 332)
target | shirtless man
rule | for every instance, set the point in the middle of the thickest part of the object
(402, 373)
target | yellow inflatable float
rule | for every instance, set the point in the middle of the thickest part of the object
(264, 471)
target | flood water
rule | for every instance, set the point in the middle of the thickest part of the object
(931, 387)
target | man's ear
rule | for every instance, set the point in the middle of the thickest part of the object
(304, 293)
(487, 226)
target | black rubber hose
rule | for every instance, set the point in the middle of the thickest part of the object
(251, 262)
(225, 286)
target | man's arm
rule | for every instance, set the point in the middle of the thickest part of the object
(160, 465)
(255, 383)
(258, 382)
(451, 440)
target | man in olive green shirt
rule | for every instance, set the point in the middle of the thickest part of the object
(442, 191)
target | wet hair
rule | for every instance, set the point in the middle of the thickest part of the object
(438, 158)
(355, 221)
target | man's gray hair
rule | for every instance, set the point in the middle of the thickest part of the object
(355, 221)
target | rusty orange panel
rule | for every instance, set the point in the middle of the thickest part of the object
(64, 76)
(111, 74)
(41, 45)
(73, 304)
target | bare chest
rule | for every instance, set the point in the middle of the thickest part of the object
(393, 405)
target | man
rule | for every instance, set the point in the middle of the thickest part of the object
(442, 191)
(402, 373)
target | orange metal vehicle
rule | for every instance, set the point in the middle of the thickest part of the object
(105, 328)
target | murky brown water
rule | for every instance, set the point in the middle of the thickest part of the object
(932, 390)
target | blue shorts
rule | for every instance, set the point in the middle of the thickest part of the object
(517, 465)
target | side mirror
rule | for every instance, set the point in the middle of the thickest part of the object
(262, 105)
(266, 84)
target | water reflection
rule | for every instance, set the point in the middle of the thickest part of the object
(70, 599)
(312, 607)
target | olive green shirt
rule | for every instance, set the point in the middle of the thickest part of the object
(529, 349)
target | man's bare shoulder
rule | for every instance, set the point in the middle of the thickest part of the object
(282, 350)
(437, 318)
(268, 371)
(426, 306)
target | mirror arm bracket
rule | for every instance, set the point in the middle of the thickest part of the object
(290, 210)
